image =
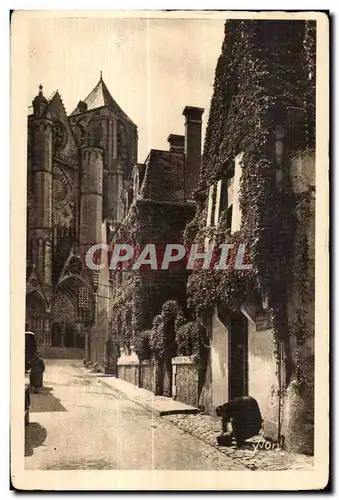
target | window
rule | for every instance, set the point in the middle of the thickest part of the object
(83, 297)
(236, 213)
(217, 202)
(223, 197)
(83, 304)
(229, 217)
(210, 205)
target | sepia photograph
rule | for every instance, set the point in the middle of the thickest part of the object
(170, 294)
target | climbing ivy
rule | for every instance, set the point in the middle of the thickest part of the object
(266, 71)
(162, 340)
(142, 345)
(192, 340)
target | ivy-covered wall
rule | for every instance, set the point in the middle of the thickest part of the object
(138, 295)
(263, 106)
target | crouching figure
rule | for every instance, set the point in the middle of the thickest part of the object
(241, 418)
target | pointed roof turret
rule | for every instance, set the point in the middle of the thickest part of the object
(39, 103)
(98, 98)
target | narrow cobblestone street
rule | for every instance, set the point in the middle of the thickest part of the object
(256, 454)
(77, 423)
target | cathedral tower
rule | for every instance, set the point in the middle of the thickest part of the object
(79, 169)
(99, 121)
(91, 195)
(40, 216)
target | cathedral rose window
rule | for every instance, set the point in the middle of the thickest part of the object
(62, 198)
(62, 191)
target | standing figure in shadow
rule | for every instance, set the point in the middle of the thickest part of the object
(36, 374)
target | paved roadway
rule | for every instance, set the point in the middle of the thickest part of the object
(77, 423)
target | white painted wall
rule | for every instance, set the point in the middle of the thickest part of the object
(219, 362)
(262, 378)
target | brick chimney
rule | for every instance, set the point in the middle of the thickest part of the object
(176, 143)
(192, 149)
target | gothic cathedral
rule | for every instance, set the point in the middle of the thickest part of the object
(78, 188)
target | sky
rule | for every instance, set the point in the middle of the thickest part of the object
(152, 67)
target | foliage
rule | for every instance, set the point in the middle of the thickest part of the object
(157, 341)
(192, 340)
(142, 345)
(182, 318)
(265, 72)
(162, 340)
(138, 295)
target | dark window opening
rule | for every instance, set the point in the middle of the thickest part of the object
(229, 217)
(223, 197)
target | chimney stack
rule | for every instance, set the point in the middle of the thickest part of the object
(192, 149)
(176, 143)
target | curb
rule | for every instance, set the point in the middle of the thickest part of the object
(135, 401)
(158, 413)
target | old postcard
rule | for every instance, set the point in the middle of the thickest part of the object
(170, 270)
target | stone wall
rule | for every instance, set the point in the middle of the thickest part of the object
(185, 376)
(129, 373)
(128, 368)
(147, 379)
(150, 376)
(298, 407)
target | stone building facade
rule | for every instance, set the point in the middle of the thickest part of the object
(161, 207)
(257, 187)
(79, 169)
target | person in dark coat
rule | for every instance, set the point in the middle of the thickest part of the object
(37, 366)
(244, 415)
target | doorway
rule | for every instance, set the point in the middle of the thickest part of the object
(238, 356)
(69, 335)
(56, 335)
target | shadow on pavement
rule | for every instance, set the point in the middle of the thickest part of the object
(35, 435)
(45, 401)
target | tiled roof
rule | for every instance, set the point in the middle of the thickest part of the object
(164, 176)
(100, 97)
